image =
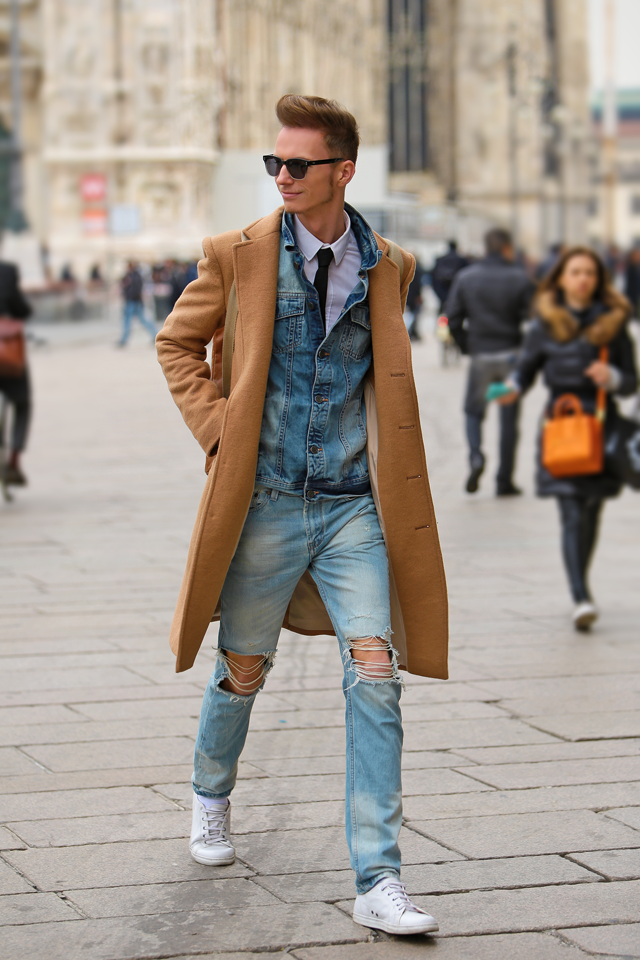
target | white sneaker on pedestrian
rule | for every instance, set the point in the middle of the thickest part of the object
(584, 615)
(210, 834)
(387, 907)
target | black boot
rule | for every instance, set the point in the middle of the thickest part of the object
(507, 489)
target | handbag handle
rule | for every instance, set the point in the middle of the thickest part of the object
(566, 405)
(601, 395)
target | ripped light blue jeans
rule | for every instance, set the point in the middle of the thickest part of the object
(339, 541)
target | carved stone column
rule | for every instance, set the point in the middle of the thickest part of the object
(131, 93)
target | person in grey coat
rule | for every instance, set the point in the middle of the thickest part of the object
(488, 303)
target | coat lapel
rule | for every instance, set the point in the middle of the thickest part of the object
(255, 268)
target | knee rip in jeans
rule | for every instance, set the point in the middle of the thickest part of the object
(247, 680)
(374, 670)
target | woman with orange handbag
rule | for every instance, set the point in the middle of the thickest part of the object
(580, 343)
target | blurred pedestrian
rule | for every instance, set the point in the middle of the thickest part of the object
(15, 382)
(632, 280)
(67, 276)
(547, 264)
(177, 280)
(132, 286)
(615, 265)
(161, 288)
(444, 271)
(414, 302)
(289, 530)
(488, 303)
(578, 312)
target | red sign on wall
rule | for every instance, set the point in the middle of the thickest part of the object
(93, 186)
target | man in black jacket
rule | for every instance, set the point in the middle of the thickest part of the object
(17, 389)
(486, 308)
(444, 272)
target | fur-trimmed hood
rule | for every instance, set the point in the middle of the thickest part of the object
(563, 326)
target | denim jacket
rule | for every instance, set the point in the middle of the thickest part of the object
(314, 430)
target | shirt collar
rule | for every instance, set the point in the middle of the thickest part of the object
(309, 245)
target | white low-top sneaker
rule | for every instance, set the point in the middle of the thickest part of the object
(584, 615)
(387, 907)
(210, 834)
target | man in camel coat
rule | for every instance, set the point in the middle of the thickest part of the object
(316, 514)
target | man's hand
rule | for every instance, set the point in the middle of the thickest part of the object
(600, 373)
(509, 398)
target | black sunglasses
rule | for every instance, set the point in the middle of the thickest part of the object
(296, 168)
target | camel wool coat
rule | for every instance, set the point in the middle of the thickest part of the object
(229, 431)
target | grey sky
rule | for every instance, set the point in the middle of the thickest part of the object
(627, 43)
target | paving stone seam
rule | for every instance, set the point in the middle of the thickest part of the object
(32, 760)
(570, 858)
(560, 935)
(614, 820)
(440, 843)
(6, 825)
(23, 746)
(592, 783)
(19, 873)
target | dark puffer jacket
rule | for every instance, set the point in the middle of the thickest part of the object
(563, 343)
(488, 303)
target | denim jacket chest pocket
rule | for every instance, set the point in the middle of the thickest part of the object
(289, 320)
(355, 340)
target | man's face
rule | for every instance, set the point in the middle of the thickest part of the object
(320, 185)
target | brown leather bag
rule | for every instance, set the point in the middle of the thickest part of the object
(13, 354)
(572, 440)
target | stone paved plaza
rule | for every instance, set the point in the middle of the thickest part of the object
(522, 772)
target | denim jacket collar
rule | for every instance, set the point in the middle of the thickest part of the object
(369, 250)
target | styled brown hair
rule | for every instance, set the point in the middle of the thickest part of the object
(340, 127)
(550, 282)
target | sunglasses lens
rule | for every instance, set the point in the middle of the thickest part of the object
(297, 169)
(273, 166)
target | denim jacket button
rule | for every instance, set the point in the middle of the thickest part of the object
(314, 448)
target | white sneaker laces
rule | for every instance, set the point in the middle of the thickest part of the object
(397, 892)
(213, 818)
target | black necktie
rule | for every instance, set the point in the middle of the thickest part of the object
(325, 256)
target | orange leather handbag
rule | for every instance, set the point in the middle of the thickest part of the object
(572, 440)
(13, 357)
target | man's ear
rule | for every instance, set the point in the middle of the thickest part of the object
(347, 173)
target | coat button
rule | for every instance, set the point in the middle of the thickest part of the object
(314, 449)
(320, 399)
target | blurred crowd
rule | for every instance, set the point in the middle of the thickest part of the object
(623, 267)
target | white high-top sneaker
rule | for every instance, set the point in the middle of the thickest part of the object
(584, 615)
(210, 834)
(387, 907)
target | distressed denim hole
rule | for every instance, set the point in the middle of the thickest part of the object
(374, 671)
(246, 679)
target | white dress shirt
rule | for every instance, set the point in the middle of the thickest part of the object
(344, 269)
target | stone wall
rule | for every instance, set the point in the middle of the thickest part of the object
(491, 63)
